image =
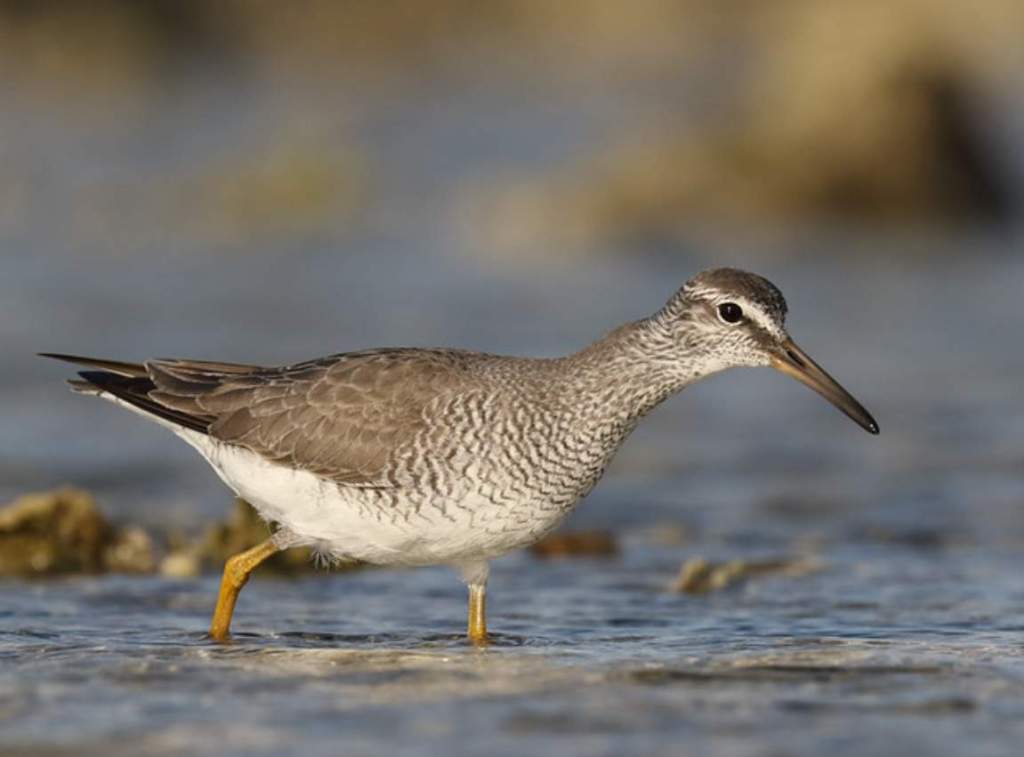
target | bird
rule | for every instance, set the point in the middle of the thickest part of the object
(415, 456)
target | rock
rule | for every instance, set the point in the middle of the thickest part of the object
(62, 531)
(182, 563)
(130, 551)
(579, 544)
(698, 576)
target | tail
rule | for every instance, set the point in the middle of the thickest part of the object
(128, 384)
(130, 370)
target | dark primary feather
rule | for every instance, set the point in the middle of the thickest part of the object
(113, 366)
(135, 391)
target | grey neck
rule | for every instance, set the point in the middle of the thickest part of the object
(636, 367)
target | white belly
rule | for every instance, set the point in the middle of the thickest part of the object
(350, 523)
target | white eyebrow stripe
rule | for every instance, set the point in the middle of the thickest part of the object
(715, 297)
(751, 310)
(761, 318)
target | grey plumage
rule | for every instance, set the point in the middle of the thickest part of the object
(424, 456)
(433, 429)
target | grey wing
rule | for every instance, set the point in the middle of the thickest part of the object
(343, 418)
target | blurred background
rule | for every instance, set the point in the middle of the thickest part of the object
(267, 182)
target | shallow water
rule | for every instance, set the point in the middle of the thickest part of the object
(884, 650)
(907, 639)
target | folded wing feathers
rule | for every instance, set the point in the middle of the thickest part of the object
(341, 417)
(207, 367)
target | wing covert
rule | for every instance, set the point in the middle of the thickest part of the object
(341, 417)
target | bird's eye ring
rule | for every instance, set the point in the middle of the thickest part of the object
(730, 312)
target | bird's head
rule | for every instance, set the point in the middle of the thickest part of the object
(726, 318)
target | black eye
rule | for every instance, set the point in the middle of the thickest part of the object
(730, 312)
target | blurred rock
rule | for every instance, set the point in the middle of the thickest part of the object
(130, 551)
(114, 43)
(698, 576)
(181, 563)
(61, 531)
(666, 534)
(845, 112)
(579, 544)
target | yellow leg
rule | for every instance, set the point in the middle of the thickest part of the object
(477, 625)
(236, 573)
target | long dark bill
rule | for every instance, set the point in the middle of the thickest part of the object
(794, 362)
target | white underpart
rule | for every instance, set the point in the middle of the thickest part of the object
(344, 522)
